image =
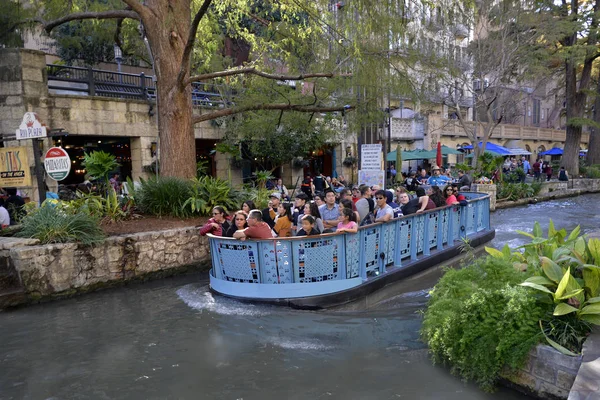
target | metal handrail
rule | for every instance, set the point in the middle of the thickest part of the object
(93, 82)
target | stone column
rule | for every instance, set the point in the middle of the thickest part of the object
(489, 189)
(24, 86)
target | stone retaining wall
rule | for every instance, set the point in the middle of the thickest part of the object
(67, 268)
(548, 374)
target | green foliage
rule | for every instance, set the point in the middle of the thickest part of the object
(99, 164)
(208, 192)
(479, 320)
(164, 196)
(516, 191)
(53, 225)
(566, 273)
(201, 168)
(487, 164)
(592, 172)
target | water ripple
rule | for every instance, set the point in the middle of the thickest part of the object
(201, 299)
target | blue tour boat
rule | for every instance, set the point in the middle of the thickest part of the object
(333, 269)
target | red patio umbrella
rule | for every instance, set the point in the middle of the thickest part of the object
(438, 156)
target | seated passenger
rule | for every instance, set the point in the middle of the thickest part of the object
(437, 196)
(283, 221)
(217, 224)
(347, 223)
(346, 203)
(257, 228)
(459, 197)
(424, 200)
(313, 210)
(449, 195)
(239, 222)
(383, 211)
(308, 227)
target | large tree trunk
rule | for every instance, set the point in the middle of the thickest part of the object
(168, 34)
(593, 155)
(575, 109)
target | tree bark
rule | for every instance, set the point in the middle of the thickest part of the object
(575, 99)
(167, 32)
(593, 154)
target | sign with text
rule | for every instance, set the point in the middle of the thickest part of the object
(370, 157)
(372, 178)
(31, 127)
(57, 163)
(14, 167)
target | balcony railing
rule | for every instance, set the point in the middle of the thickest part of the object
(506, 131)
(92, 82)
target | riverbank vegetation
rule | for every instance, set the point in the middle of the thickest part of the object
(488, 315)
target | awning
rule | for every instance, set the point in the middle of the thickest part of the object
(498, 150)
(412, 155)
(449, 150)
(557, 151)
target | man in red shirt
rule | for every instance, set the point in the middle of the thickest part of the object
(257, 228)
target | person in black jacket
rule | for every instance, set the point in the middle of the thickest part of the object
(269, 213)
(15, 206)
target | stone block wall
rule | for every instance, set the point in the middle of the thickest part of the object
(65, 268)
(592, 185)
(553, 186)
(548, 374)
(489, 189)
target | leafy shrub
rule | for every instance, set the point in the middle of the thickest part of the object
(593, 172)
(53, 225)
(566, 273)
(516, 191)
(164, 196)
(479, 320)
(99, 164)
(208, 192)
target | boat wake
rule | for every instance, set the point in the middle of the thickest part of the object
(200, 298)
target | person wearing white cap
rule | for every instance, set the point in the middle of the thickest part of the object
(270, 212)
(437, 179)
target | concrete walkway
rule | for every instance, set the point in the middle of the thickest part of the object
(587, 382)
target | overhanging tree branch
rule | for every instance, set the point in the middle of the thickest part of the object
(189, 46)
(254, 71)
(283, 107)
(111, 14)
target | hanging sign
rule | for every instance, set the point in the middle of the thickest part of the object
(31, 127)
(57, 163)
(14, 167)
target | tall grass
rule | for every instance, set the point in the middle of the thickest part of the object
(52, 225)
(164, 196)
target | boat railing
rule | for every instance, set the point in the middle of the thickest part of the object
(345, 256)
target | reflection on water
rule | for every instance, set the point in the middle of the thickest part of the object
(174, 339)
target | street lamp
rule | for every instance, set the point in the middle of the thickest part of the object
(118, 59)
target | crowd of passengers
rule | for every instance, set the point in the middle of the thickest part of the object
(335, 211)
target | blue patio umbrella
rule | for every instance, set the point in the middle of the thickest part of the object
(552, 152)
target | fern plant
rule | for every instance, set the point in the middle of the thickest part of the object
(99, 164)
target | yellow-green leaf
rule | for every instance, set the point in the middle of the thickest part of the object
(591, 279)
(592, 318)
(593, 308)
(594, 247)
(575, 233)
(551, 269)
(568, 295)
(540, 280)
(537, 229)
(536, 286)
(593, 300)
(563, 309)
(494, 252)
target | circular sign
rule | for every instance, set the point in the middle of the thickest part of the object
(57, 163)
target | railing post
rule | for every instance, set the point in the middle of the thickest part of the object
(462, 229)
(426, 250)
(362, 265)
(413, 238)
(342, 267)
(143, 95)
(91, 83)
(451, 226)
(440, 228)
